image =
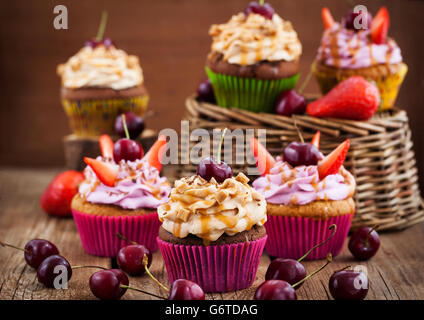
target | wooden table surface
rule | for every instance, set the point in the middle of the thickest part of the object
(396, 272)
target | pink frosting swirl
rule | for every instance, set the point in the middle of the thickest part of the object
(345, 48)
(301, 185)
(139, 185)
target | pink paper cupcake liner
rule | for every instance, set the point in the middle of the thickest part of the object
(292, 237)
(219, 268)
(98, 233)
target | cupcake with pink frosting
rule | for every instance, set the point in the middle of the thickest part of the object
(306, 193)
(119, 197)
(360, 46)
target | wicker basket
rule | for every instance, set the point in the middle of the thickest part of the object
(380, 157)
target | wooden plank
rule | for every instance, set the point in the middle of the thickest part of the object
(394, 273)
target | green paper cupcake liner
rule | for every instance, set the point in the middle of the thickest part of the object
(250, 94)
(93, 117)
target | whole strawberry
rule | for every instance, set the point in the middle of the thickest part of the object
(56, 199)
(354, 98)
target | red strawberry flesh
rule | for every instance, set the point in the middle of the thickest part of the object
(106, 172)
(380, 26)
(331, 163)
(106, 146)
(315, 139)
(155, 154)
(327, 18)
(264, 160)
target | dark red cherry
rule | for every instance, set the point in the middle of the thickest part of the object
(348, 285)
(183, 289)
(91, 43)
(127, 149)
(364, 243)
(205, 91)
(209, 167)
(264, 10)
(288, 270)
(130, 259)
(107, 42)
(37, 250)
(299, 153)
(275, 290)
(106, 284)
(290, 102)
(349, 22)
(50, 269)
(135, 125)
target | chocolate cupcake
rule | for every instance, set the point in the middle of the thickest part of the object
(99, 83)
(253, 58)
(212, 233)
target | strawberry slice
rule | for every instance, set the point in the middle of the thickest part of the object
(327, 18)
(264, 160)
(380, 26)
(332, 162)
(155, 154)
(315, 139)
(106, 172)
(106, 146)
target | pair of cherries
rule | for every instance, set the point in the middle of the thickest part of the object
(43, 256)
(284, 276)
(134, 260)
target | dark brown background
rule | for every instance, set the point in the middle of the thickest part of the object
(171, 39)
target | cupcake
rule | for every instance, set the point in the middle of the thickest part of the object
(119, 198)
(212, 229)
(98, 83)
(306, 193)
(253, 58)
(346, 51)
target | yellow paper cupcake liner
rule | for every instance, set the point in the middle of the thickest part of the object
(88, 118)
(388, 84)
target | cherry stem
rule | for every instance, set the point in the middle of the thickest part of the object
(142, 291)
(120, 236)
(102, 27)
(306, 81)
(4, 244)
(368, 235)
(329, 260)
(345, 268)
(218, 156)
(81, 267)
(124, 122)
(298, 132)
(333, 226)
(145, 262)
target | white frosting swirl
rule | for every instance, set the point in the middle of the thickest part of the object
(101, 67)
(209, 209)
(246, 40)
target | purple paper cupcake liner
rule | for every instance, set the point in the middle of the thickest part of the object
(292, 237)
(216, 268)
(98, 234)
